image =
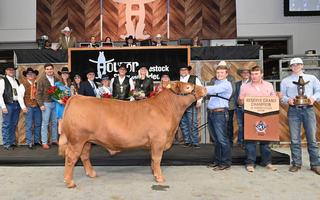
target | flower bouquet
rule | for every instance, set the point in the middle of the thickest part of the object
(139, 94)
(58, 95)
(106, 95)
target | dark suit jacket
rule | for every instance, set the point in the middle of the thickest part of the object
(86, 89)
(237, 91)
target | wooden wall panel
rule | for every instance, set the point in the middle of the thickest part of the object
(209, 19)
(82, 16)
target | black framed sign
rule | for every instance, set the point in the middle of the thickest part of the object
(107, 60)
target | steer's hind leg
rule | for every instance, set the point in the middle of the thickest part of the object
(72, 155)
(85, 158)
(156, 156)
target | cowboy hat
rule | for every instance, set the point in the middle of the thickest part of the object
(29, 70)
(241, 69)
(188, 67)
(66, 29)
(105, 77)
(129, 37)
(158, 36)
(222, 63)
(296, 61)
(64, 70)
(123, 65)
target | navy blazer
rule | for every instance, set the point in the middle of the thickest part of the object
(86, 89)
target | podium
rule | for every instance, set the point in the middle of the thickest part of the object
(261, 118)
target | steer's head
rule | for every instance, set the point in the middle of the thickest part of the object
(181, 88)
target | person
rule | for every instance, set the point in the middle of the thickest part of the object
(245, 76)
(196, 42)
(66, 41)
(89, 87)
(189, 121)
(164, 82)
(64, 85)
(158, 41)
(75, 84)
(143, 83)
(257, 87)
(47, 106)
(122, 85)
(93, 42)
(108, 39)
(218, 113)
(231, 106)
(130, 41)
(10, 107)
(29, 106)
(304, 115)
(105, 88)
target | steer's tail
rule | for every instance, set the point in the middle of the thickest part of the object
(63, 141)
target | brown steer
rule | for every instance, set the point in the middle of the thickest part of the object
(120, 125)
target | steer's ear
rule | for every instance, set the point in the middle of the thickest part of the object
(175, 86)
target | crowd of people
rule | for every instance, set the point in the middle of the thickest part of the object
(66, 40)
(226, 98)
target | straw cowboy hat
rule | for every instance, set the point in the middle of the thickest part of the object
(66, 29)
(158, 36)
(222, 63)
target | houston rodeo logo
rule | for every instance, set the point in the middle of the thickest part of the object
(140, 13)
(261, 127)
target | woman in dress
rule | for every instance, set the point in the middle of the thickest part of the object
(64, 85)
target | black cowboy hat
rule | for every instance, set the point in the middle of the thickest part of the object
(105, 77)
(166, 73)
(143, 64)
(5, 66)
(129, 37)
(64, 70)
(90, 70)
(188, 67)
(123, 65)
(30, 70)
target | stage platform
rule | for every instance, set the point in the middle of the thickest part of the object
(177, 156)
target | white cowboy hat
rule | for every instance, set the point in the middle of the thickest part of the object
(158, 36)
(66, 29)
(296, 61)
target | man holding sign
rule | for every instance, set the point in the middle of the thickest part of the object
(257, 87)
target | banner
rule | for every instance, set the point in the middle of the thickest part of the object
(261, 118)
(107, 60)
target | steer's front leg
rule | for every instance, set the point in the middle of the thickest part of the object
(156, 156)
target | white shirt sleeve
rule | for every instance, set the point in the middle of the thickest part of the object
(21, 91)
(111, 84)
(131, 84)
(2, 104)
(198, 82)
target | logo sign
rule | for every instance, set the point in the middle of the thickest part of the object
(107, 61)
(137, 31)
(261, 127)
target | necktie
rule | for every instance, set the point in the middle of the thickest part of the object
(33, 91)
(67, 40)
(94, 88)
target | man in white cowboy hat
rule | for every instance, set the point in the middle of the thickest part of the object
(66, 40)
(10, 106)
(29, 105)
(158, 41)
(301, 114)
(244, 72)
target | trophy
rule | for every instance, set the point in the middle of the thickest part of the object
(301, 99)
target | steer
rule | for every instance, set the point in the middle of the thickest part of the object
(120, 125)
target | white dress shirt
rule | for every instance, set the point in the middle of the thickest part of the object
(21, 92)
(14, 85)
(121, 81)
(51, 80)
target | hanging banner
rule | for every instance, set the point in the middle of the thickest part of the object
(158, 60)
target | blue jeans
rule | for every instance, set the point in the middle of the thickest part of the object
(49, 114)
(33, 117)
(9, 124)
(305, 116)
(265, 152)
(230, 126)
(218, 122)
(240, 112)
(189, 126)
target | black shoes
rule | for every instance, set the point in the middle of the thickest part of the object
(30, 146)
(295, 168)
(196, 146)
(8, 148)
(186, 145)
(221, 167)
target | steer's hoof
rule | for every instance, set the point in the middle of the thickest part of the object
(160, 179)
(92, 174)
(71, 184)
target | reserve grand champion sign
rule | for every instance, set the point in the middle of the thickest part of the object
(261, 118)
(107, 60)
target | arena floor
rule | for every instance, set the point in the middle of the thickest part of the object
(183, 182)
